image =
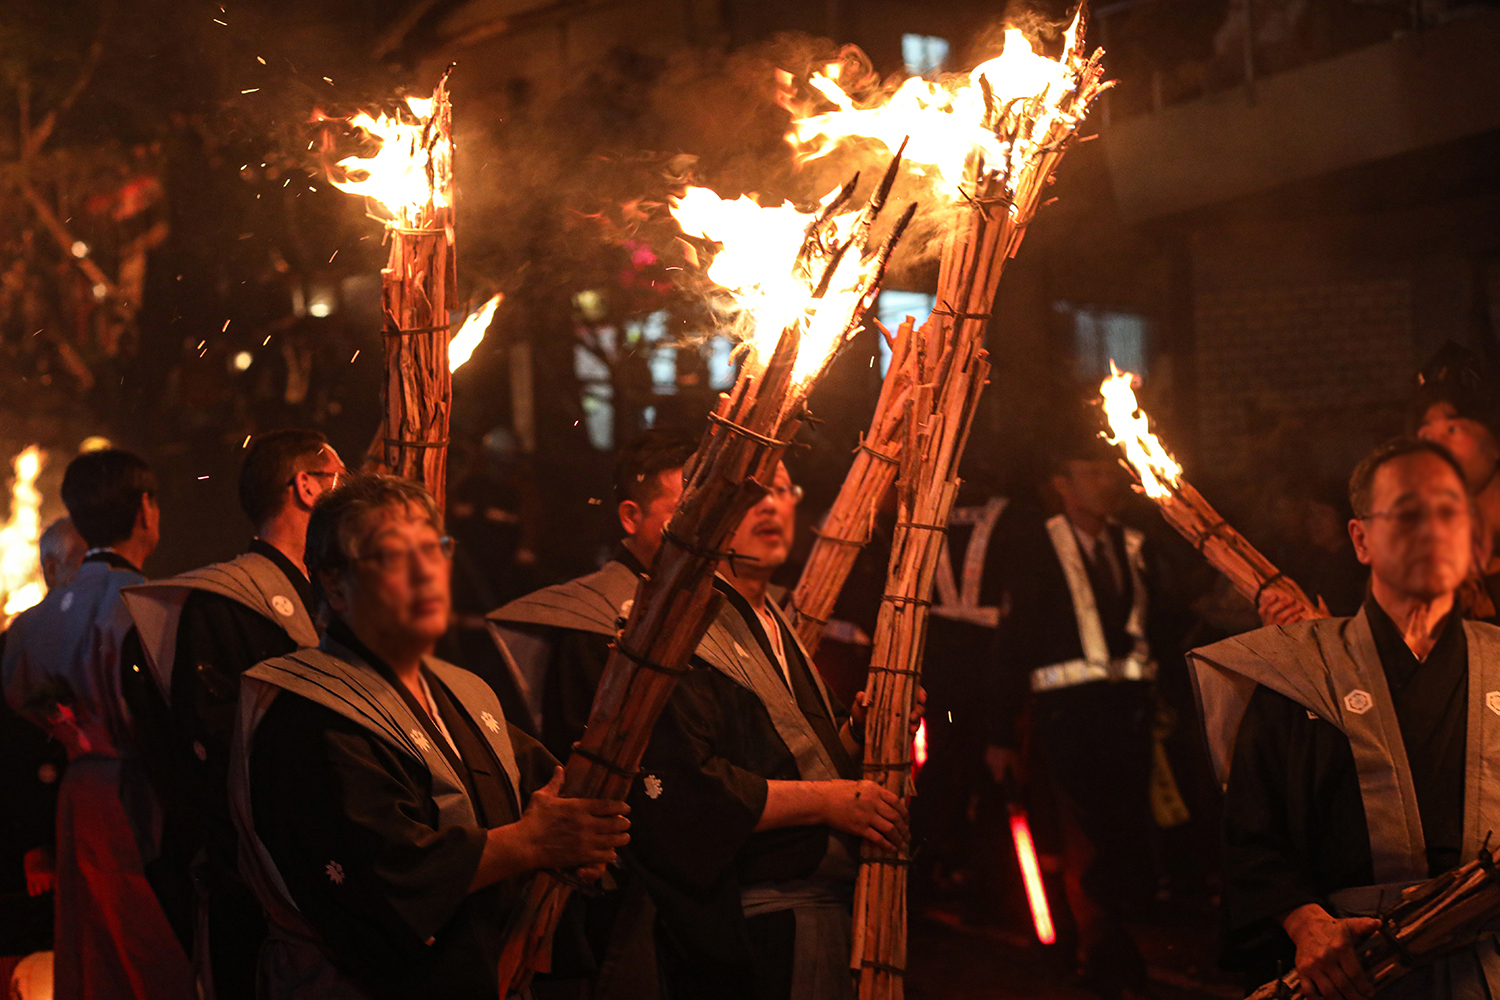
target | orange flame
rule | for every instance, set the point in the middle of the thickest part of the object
(1131, 430)
(768, 282)
(461, 347)
(953, 119)
(410, 169)
(919, 747)
(21, 583)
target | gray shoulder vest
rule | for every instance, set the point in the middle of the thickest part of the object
(251, 579)
(588, 604)
(335, 678)
(595, 603)
(1330, 667)
(730, 647)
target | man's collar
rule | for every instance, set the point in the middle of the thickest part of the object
(628, 559)
(1385, 628)
(289, 569)
(111, 558)
(339, 632)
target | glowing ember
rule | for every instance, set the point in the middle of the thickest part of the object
(410, 168)
(768, 279)
(461, 347)
(1031, 874)
(21, 583)
(1131, 430)
(952, 119)
(919, 746)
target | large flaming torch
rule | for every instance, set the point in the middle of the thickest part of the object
(21, 583)
(851, 519)
(1160, 479)
(988, 143)
(408, 184)
(796, 285)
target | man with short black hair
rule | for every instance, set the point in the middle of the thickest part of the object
(1074, 653)
(1354, 749)
(197, 633)
(557, 638)
(62, 669)
(378, 792)
(556, 641)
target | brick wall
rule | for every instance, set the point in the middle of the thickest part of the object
(1336, 355)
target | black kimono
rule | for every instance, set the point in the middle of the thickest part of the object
(694, 815)
(353, 829)
(185, 750)
(1294, 818)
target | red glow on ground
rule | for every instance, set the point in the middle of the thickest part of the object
(1031, 874)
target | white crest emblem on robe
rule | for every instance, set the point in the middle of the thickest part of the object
(652, 784)
(1492, 701)
(282, 606)
(420, 739)
(67, 601)
(1359, 702)
(489, 721)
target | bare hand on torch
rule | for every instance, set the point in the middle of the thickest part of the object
(1326, 961)
(1278, 608)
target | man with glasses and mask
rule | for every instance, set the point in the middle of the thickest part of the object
(1353, 748)
(750, 808)
(195, 635)
(389, 816)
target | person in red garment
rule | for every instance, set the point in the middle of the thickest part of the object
(61, 669)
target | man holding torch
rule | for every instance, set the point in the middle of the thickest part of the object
(750, 807)
(1353, 748)
(387, 815)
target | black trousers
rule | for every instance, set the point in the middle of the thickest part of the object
(1093, 748)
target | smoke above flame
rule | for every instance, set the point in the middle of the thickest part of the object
(948, 122)
(767, 279)
(468, 337)
(21, 584)
(408, 169)
(1130, 429)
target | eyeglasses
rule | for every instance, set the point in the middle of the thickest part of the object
(391, 559)
(1411, 518)
(785, 493)
(335, 476)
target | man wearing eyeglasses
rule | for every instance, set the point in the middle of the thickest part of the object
(195, 635)
(751, 807)
(1352, 748)
(389, 816)
(752, 767)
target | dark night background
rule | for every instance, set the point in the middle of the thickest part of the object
(1290, 207)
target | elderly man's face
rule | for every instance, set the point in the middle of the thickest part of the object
(1418, 538)
(397, 586)
(764, 537)
(1469, 440)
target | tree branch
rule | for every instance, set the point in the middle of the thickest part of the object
(33, 142)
